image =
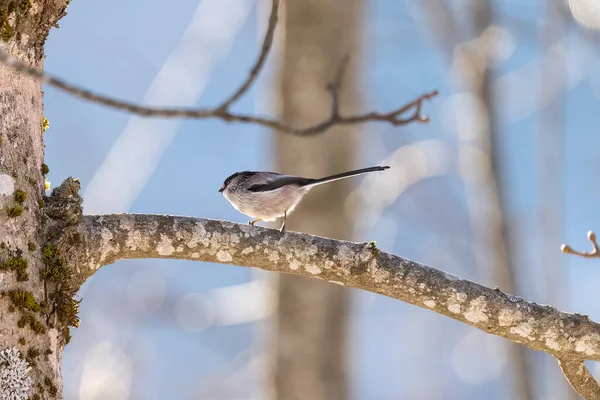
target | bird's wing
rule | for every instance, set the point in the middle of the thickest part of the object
(275, 181)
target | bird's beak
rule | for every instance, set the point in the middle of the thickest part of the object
(221, 190)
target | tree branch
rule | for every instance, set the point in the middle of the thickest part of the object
(112, 237)
(410, 112)
(580, 379)
(592, 254)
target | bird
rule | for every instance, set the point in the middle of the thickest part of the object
(266, 196)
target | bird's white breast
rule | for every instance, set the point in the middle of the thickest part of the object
(268, 205)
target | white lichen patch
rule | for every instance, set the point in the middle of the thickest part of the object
(295, 264)
(224, 256)
(195, 255)
(477, 310)
(105, 246)
(524, 329)
(126, 223)
(135, 240)
(53, 336)
(25, 40)
(365, 255)
(508, 317)
(551, 341)
(247, 250)
(35, 8)
(15, 382)
(198, 236)
(228, 224)
(165, 246)
(215, 241)
(454, 302)
(411, 280)
(378, 274)
(313, 269)
(429, 303)
(328, 264)
(345, 256)
(7, 185)
(338, 283)
(454, 308)
(1, 277)
(587, 344)
(106, 235)
(272, 255)
(247, 230)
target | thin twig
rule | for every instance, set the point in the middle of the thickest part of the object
(262, 57)
(580, 379)
(394, 117)
(592, 254)
(334, 88)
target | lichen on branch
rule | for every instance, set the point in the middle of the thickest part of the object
(108, 238)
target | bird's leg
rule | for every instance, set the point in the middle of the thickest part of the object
(253, 222)
(283, 225)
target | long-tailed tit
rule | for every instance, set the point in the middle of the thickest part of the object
(266, 196)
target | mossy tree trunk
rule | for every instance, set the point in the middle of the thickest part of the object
(29, 324)
(311, 322)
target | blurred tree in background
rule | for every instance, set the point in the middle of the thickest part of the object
(311, 324)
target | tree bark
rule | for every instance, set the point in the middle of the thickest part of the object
(310, 332)
(29, 327)
(105, 239)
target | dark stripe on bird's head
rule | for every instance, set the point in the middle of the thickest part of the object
(245, 174)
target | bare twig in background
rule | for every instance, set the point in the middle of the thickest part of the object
(592, 254)
(394, 117)
(335, 86)
(580, 378)
(260, 61)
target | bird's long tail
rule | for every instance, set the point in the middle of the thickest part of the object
(343, 175)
